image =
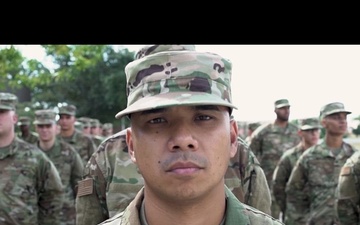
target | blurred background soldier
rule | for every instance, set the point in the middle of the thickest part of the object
(312, 183)
(30, 186)
(107, 129)
(251, 128)
(309, 133)
(86, 124)
(347, 203)
(25, 130)
(96, 132)
(111, 181)
(65, 158)
(83, 144)
(271, 140)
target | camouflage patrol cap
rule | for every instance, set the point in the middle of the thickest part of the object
(107, 126)
(174, 75)
(94, 123)
(79, 125)
(85, 121)
(281, 103)
(331, 108)
(45, 116)
(24, 120)
(8, 101)
(310, 123)
(68, 110)
(253, 126)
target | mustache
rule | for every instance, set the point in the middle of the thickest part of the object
(184, 156)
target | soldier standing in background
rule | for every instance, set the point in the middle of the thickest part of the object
(30, 186)
(83, 144)
(271, 140)
(309, 133)
(86, 125)
(107, 129)
(95, 131)
(25, 132)
(251, 128)
(312, 183)
(65, 158)
(347, 202)
(247, 180)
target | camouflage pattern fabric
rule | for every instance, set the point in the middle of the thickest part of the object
(97, 139)
(311, 187)
(70, 166)
(246, 179)
(30, 186)
(347, 204)
(236, 213)
(281, 176)
(82, 143)
(269, 142)
(32, 138)
(173, 75)
(115, 180)
(114, 190)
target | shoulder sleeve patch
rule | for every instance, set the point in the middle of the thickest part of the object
(345, 170)
(85, 187)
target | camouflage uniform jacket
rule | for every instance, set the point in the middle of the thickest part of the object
(236, 213)
(311, 187)
(70, 166)
(30, 186)
(32, 138)
(246, 179)
(82, 143)
(269, 142)
(282, 173)
(97, 139)
(347, 204)
(113, 180)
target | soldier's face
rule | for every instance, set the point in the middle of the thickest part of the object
(66, 121)
(8, 119)
(311, 137)
(283, 113)
(47, 132)
(183, 151)
(336, 123)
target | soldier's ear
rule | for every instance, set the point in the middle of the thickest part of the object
(130, 145)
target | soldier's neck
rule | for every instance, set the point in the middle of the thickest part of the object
(67, 133)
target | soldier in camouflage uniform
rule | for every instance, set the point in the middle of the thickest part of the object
(251, 127)
(246, 179)
(347, 202)
(112, 180)
(107, 129)
(95, 131)
(86, 124)
(271, 140)
(25, 133)
(311, 187)
(116, 181)
(181, 139)
(65, 158)
(310, 134)
(83, 143)
(30, 186)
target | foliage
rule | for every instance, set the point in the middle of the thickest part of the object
(91, 77)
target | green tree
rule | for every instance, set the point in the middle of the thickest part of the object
(91, 77)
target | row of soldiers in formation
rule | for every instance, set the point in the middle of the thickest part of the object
(262, 175)
(280, 170)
